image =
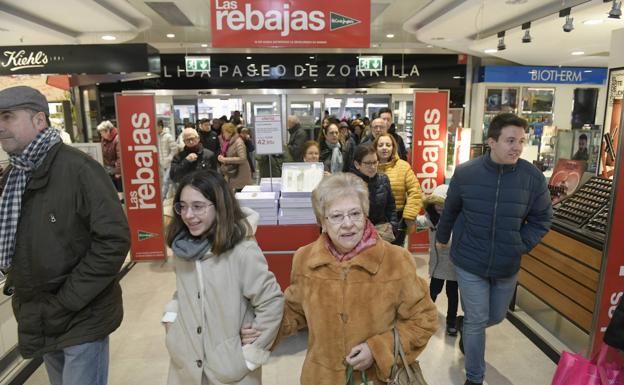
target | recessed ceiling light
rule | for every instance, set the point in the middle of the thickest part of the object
(171, 35)
(148, 74)
(311, 57)
(242, 81)
(390, 35)
(429, 46)
(374, 45)
(491, 50)
(577, 53)
(593, 22)
(383, 82)
(458, 77)
(204, 45)
(109, 37)
(248, 57)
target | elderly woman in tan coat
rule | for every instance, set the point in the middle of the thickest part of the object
(350, 288)
(233, 158)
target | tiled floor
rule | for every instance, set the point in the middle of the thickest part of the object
(139, 357)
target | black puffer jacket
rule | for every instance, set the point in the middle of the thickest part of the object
(71, 241)
(206, 160)
(382, 208)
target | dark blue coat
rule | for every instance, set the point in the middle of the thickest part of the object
(497, 213)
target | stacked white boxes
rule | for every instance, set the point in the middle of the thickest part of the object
(298, 181)
(264, 203)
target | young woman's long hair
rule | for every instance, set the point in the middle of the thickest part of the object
(230, 226)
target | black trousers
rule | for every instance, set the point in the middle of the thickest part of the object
(452, 293)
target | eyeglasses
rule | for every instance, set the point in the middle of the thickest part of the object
(196, 208)
(338, 218)
(371, 164)
(190, 140)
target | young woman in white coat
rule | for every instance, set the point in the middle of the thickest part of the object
(222, 283)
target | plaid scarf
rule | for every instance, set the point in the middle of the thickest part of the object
(22, 166)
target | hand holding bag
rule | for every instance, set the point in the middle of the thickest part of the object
(385, 231)
(408, 373)
(574, 369)
(350, 378)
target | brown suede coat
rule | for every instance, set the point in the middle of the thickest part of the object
(346, 303)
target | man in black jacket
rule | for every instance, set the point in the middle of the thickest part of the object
(208, 137)
(63, 239)
(193, 157)
(386, 114)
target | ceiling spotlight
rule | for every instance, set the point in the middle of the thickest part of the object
(527, 34)
(108, 37)
(491, 50)
(501, 41)
(204, 45)
(390, 35)
(616, 10)
(567, 26)
(171, 35)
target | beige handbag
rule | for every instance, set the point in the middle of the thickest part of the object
(385, 231)
(406, 373)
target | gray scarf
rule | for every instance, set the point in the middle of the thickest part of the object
(188, 247)
(337, 163)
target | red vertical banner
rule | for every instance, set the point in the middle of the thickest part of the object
(136, 120)
(611, 287)
(429, 149)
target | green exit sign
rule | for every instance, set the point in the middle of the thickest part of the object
(371, 63)
(197, 63)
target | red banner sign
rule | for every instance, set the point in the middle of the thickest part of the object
(136, 121)
(429, 148)
(290, 24)
(612, 279)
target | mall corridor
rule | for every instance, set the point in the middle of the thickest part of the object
(139, 356)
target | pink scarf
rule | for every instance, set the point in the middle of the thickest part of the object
(225, 145)
(369, 239)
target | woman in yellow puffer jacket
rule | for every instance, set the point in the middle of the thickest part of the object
(405, 187)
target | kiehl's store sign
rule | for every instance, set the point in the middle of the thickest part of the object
(78, 59)
(290, 24)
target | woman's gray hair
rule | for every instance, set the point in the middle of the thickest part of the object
(338, 185)
(105, 125)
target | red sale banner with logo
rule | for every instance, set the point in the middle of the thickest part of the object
(611, 287)
(290, 24)
(429, 149)
(136, 121)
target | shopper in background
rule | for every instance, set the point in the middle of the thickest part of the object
(357, 130)
(296, 138)
(441, 268)
(111, 151)
(386, 114)
(63, 239)
(167, 149)
(222, 283)
(350, 288)
(349, 144)
(498, 206)
(216, 126)
(208, 137)
(245, 134)
(311, 151)
(382, 209)
(378, 126)
(333, 154)
(233, 158)
(193, 157)
(405, 186)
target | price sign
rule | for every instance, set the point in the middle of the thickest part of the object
(268, 134)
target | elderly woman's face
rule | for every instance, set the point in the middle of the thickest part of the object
(344, 222)
(105, 134)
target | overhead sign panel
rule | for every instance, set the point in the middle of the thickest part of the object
(290, 24)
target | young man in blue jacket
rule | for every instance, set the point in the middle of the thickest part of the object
(498, 208)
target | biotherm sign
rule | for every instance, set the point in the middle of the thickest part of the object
(294, 24)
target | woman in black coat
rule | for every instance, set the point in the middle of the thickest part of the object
(382, 209)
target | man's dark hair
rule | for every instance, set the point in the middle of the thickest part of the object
(384, 110)
(204, 121)
(362, 150)
(501, 121)
(583, 137)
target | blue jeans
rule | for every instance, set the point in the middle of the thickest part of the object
(485, 302)
(79, 364)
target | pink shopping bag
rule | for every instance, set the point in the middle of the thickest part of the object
(574, 369)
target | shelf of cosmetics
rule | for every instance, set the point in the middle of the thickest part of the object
(586, 211)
